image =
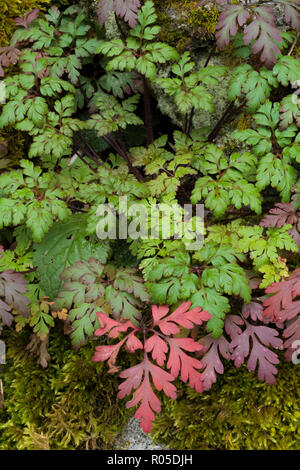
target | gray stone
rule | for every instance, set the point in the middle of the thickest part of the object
(133, 438)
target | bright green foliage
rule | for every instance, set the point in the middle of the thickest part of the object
(138, 52)
(277, 150)
(65, 244)
(251, 85)
(289, 111)
(63, 40)
(264, 249)
(82, 107)
(218, 305)
(224, 181)
(170, 279)
(112, 116)
(90, 285)
(186, 87)
(29, 196)
(287, 70)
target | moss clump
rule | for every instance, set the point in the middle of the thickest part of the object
(72, 404)
(184, 21)
(11, 9)
(238, 413)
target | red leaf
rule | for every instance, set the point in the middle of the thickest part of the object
(28, 18)
(254, 310)
(282, 306)
(108, 324)
(133, 343)
(292, 333)
(144, 393)
(12, 288)
(5, 316)
(158, 347)
(292, 10)
(104, 352)
(8, 56)
(180, 362)
(126, 9)
(230, 19)
(232, 325)
(104, 9)
(281, 214)
(264, 31)
(181, 316)
(260, 355)
(211, 360)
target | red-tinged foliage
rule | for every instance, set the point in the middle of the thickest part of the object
(264, 32)
(181, 316)
(259, 337)
(257, 24)
(283, 306)
(292, 9)
(144, 393)
(281, 214)
(230, 19)
(126, 9)
(254, 310)
(292, 336)
(28, 18)
(180, 362)
(12, 290)
(163, 347)
(246, 341)
(8, 56)
(112, 326)
(212, 349)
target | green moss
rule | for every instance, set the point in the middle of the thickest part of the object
(184, 21)
(72, 404)
(238, 413)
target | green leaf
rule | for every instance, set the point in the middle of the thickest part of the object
(64, 245)
(214, 303)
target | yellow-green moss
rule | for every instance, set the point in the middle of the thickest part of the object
(238, 413)
(72, 404)
(11, 9)
(185, 21)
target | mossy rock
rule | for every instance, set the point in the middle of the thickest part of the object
(186, 25)
(72, 404)
(238, 413)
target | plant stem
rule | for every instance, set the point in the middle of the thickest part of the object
(229, 111)
(97, 158)
(293, 45)
(148, 115)
(123, 152)
(78, 152)
(190, 122)
(209, 56)
(186, 123)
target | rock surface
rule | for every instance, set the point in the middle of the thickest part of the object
(133, 438)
